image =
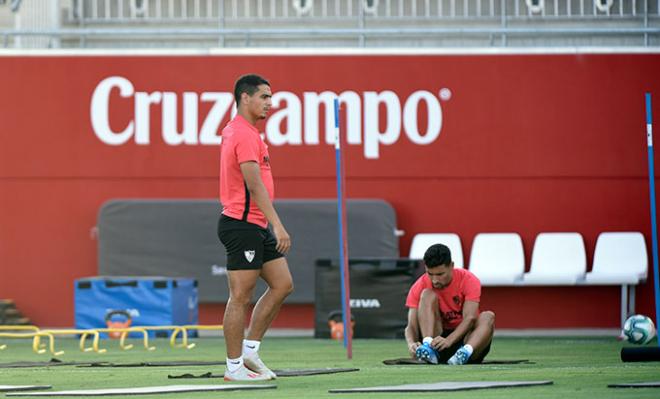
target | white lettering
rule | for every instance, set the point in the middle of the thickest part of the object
(376, 123)
(434, 117)
(221, 103)
(365, 303)
(100, 110)
(373, 136)
(292, 114)
(313, 101)
(171, 135)
(143, 103)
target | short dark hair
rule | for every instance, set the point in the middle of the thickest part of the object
(248, 84)
(437, 255)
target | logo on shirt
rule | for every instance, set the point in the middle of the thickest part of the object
(266, 160)
(456, 299)
(249, 255)
(452, 315)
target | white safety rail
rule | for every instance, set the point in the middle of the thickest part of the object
(335, 23)
(193, 11)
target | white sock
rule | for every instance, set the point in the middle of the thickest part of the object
(427, 340)
(469, 349)
(234, 364)
(250, 347)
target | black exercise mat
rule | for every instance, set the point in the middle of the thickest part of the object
(407, 360)
(145, 390)
(50, 363)
(155, 364)
(17, 388)
(654, 384)
(56, 362)
(279, 373)
(208, 374)
(443, 386)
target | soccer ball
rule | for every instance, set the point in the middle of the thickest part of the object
(638, 329)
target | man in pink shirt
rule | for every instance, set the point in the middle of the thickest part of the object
(444, 323)
(253, 251)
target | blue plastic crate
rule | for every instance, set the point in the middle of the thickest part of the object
(147, 301)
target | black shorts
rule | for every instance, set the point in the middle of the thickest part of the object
(248, 246)
(444, 355)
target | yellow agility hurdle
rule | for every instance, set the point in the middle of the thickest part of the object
(83, 338)
(185, 329)
(175, 332)
(16, 328)
(36, 341)
(19, 328)
(35, 333)
(124, 333)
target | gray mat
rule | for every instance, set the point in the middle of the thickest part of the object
(444, 386)
(280, 373)
(654, 384)
(145, 390)
(302, 372)
(407, 361)
(15, 388)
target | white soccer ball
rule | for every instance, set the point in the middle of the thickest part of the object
(638, 329)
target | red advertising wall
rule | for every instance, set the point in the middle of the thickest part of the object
(456, 143)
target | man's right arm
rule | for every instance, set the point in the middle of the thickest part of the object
(252, 176)
(412, 332)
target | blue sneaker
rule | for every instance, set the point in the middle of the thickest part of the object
(460, 357)
(426, 353)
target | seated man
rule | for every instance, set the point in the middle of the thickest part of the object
(444, 313)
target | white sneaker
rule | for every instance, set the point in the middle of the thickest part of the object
(243, 374)
(461, 357)
(254, 363)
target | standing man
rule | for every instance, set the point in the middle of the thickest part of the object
(443, 313)
(246, 193)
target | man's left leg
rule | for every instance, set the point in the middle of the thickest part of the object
(477, 342)
(280, 284)
(481, 337)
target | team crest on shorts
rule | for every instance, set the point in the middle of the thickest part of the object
(249, 255)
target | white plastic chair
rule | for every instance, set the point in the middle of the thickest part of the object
(421, 242)
(557, 259)
(621, 259)
(498, 259)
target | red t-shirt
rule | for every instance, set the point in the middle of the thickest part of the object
(241, 142)
(464, 286)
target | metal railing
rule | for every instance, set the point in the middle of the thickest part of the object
(195, 11)
(351, 23)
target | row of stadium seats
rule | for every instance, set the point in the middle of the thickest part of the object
(558, 259)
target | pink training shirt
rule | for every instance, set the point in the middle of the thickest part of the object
(464, 286)
(241, 142)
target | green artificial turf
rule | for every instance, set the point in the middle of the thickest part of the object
(580, 368)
